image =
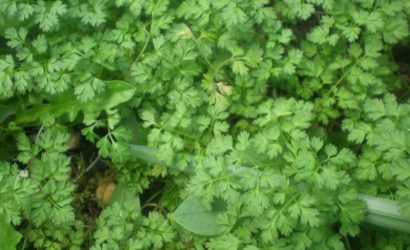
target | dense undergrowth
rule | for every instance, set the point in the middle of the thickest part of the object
(202, 124)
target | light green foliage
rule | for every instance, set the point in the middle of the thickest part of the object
(383, 129)
(15, 191)
(271, 116)
(41, 192)
(121, 227)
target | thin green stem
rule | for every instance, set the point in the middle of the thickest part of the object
(144, 47)
(287, 204)
(197, 45)
(347, 243)
(217, 179)
(348, 71)
(149, 205)
(148, 201)
(39, 133)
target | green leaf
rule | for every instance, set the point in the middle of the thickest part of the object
(233, 15)
(48, 13)
(238, 67)
(16, 37)
(87, 90)
(305, 11)
(123, 193)
(375, 109)
(116, 92)
(359, 133)
(9, 238)
(147, 154)
(395, 29)
(220, 144)
(193, 216)
(351, 33)
(6, 111)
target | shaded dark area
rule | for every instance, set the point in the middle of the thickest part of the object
(401, 55)
(151, 196)
(87, 170)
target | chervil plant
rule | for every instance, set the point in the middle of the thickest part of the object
(204, 124)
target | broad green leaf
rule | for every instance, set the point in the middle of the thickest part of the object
(9, 238)
(145, 153)
(116, 92)
(150, 155)
(6, 111)
(194, 217)
(124, 193)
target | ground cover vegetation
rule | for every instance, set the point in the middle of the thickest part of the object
(202, 124)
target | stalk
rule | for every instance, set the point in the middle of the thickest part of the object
(385, 213)
(380, 211)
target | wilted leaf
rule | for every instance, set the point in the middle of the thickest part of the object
(104, 191)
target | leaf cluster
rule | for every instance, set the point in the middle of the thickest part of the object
(229, 124)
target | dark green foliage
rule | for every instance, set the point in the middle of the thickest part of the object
(265, 118)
